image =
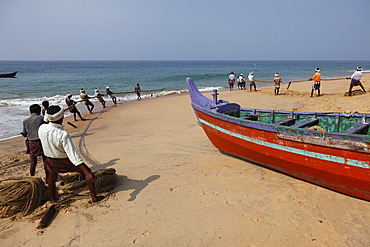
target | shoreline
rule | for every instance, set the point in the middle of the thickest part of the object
(181, 92)
(176, 189)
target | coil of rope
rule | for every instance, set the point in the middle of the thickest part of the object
(24, 195)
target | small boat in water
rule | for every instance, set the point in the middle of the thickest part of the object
(8, 75)
(328, 149)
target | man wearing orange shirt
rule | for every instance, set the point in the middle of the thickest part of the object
(317, 82)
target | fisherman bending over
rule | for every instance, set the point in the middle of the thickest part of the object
(61, 155)
(355, 81)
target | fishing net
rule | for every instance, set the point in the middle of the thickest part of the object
(23, 196)
(74, 183)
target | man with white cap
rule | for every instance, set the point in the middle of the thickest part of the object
(355, 81)
(110, 93)
(241, 81)
(231, 80)
(72, 107)
(277, 81)
(316, 78)
(61, 155)
(85, 99)
(252, 83)
(99, 96)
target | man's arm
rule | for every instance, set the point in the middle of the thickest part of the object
(71, 151)
(24, 132)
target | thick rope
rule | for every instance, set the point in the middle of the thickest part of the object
(23, 196)
(332, 79)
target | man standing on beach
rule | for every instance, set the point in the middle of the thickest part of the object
(99, 96)
(85, 99)
(252, 83)
(355, 81)
(110, 93)
(231, 80)
(61, 155)
(241, 82)
(316, 78)
(33, 144)
(72, 107)
(137, 91)
(277, 81)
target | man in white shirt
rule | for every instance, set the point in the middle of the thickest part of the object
(355, 80)
(251, 82)
(231, 80)
(61, 155)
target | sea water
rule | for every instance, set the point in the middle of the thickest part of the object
(37, 81)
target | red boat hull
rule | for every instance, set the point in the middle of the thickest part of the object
(344, 171)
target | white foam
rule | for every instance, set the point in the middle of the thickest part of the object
(14, 111)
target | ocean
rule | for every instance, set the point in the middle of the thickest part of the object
(37, 81)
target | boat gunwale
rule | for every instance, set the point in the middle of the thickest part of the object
(274, 127)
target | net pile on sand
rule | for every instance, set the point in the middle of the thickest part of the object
(73, 183)
(21, 195)
(24, 195)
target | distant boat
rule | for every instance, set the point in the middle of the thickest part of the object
(328, 149)
(8, 75)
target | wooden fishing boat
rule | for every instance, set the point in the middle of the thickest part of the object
(328, 149)
(8, 75)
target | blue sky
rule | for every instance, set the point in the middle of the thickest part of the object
(184, 30)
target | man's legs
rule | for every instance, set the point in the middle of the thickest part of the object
(45, 168)
(362, 87)
(79, 114)
(52, 178)
(350, 90)
(90, 182)
(33, 163)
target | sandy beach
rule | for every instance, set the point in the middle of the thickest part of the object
(176, 189)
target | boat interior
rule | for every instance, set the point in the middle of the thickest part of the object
(351, 123)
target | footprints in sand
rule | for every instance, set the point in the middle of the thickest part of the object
(173, 188)
(142, 236)
(88, 216)
(149, 208)
(230, 202)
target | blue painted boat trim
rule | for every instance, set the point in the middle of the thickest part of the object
(321, 156)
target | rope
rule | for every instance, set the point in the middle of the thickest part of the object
(21, 195)
(332, 79)
(317, 128)
(24, 195)
(142, 91)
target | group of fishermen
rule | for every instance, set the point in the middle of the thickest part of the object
(46, 138)
(316, 78)
(85, 99)
(241, 81)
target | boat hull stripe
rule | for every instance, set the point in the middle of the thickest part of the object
(321, 156)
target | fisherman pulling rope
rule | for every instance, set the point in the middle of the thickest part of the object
(61, 153)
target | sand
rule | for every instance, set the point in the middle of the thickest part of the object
(176, 189)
